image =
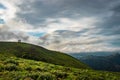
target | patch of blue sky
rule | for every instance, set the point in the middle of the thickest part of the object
(36, 34)
(116, 43)
(2, 21)
(2, 6)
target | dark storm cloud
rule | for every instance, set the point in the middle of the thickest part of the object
(37, 11)
(111, 25)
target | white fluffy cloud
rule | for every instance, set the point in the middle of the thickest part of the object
(11, 9)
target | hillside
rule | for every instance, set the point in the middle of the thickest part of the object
(21, 61)
(108, 63)
(14, 68)
(33, 52)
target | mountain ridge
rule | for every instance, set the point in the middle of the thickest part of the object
(38, 53)
(107, 63)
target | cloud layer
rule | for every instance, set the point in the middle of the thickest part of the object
(63, 25)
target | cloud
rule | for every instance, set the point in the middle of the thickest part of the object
(63, 25)
(10, 11)
(13, 28)
(77, 41)
(7, 35)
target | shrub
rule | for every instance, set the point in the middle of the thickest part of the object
(67, 69)
(61, 75)
(10, 67)
(38, 69)
(43, 76)
(11, 61)
(46, 77)
(1, 68)
(28, 78)
(28, 69)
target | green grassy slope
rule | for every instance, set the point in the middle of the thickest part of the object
(14, 68)
(33, 52)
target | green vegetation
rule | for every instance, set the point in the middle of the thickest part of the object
(20, 61)
(13, 68)
(33, 52)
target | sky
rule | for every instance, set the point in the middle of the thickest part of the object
(69, 26)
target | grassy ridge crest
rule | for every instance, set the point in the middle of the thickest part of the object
(33, 52)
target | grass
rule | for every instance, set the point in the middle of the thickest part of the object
(13, 68)
(29, 51)
(21, 61)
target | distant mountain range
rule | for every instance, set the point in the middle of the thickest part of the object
(105, 61)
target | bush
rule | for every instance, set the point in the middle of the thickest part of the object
(11, 61)
(38, 76)
(38, 69)
(1, 68)
(10, 67)
(28, 69)
(46, 77)
(60, 75)
(67, 69)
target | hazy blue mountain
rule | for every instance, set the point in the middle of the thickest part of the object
(83, 54)
(108, 62)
